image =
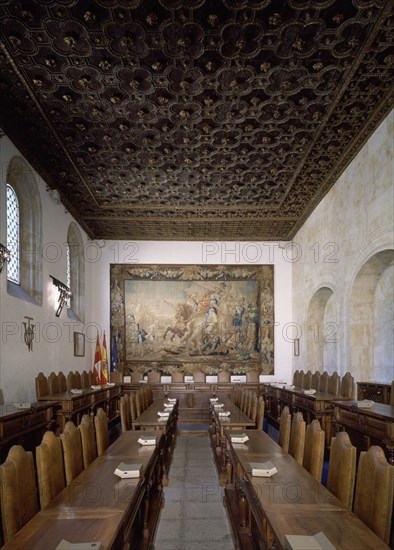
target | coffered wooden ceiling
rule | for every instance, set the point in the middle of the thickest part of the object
(193, 119)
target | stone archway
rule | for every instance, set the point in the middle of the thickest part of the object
(371, 319)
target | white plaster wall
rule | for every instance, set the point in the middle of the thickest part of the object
(353, 222)
(53, 348)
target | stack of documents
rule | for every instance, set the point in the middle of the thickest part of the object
(239, 437)
(147, 439)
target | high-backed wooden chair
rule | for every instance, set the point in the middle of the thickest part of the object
(138, 405)
(342, 469)
(101, 429)
(53, 383)
(324, 382)
(285, 429)
(260, 413)
(316, 381)
(150, 395)
(252, 412)
(373, 501)
(299, 379)
(133, 410)
(242, 400)
(50, 468)
(295, 377)
(62, 382)
(77, 379)
(42, 386)
(71, 383)
(18, 493)
(347, 385)
(72, 451)
(314, 449)
(125, 413)
(333, 384)
(307, 383)
(92, 380)
(297, 437)
(84, 379)
(89, 450)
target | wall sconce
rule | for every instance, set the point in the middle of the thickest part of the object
(296, 344)
(64, 294)
(5, 256)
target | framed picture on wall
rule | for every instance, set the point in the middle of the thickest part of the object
(79, 344)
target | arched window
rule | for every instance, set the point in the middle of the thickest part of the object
(13, 271)
(76, 272)
(25, 194)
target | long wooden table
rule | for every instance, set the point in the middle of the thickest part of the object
(99, 506)
(319, 406)
(24, 426)
(366, 427)
(263, 510)
(237, 420)
(150, 420)
(71, 406)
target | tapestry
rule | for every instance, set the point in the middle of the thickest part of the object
(196, 316)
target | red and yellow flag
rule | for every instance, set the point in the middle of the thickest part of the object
(97, 362)
(104, 363)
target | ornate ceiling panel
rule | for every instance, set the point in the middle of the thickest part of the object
(193, 119)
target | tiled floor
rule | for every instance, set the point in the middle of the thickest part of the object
(193, 516)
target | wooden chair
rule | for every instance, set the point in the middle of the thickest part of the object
(53, 383)
(297, 438)
(285, 429)
(242, 401)
(314, 449)
(252, 413)
(62, 382)
(295, 377)
(89, 450)
(92, 380)
(299, 379)
(316, 381)
(71, 382)
(260, 413)
(50, 468)
(84, 379)
(125, 413)
(42, 386)
(18, 493)
(101, 428)
(133, 410)
(324, 382)
(333, 384)
(342, 469)
(373, 501)
(150, 395)
(307, 382)
(347, 385)
(138, 406)
(77, 379)
(72, 451)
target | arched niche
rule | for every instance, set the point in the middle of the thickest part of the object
(371, 319)
(322, 332)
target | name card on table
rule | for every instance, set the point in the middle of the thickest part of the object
(238, 378)
(211, 379)
(126, 471)
(189, 379)
(166, 379)
(65, 545)
(308, 542)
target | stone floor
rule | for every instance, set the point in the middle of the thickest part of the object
(193, 516)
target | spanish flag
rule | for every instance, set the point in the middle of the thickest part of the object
(97, 362)
(104, 363)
